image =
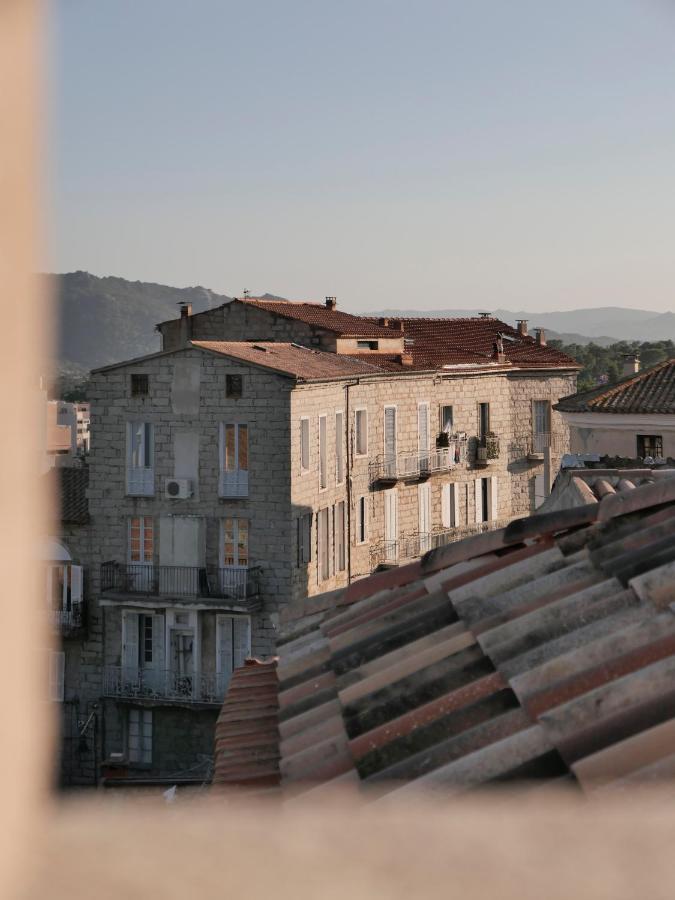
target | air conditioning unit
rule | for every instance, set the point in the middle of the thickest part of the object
(178, 488)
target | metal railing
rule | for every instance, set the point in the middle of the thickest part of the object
(412, 546)
(403, 465)
(236, 583)
(132, 683)
(233, 483)
(140, 481)
(487, 449)
(67, 620)
(419, 464)
(543, 440)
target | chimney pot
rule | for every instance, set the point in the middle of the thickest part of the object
(383, 321)
(331, 302)
(522, 327)
(185, 310)
(541, 336)
(406, 359)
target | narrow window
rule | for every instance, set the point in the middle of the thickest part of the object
(140, 473)
(234, 542)
(323, 539)
(423, 434)
(233, 386)
(361, 523)
(367, 345)
(446, 419)
(304, 445)
(304, 539)
(339, 448)
(147, 623)
(234, 460)
(483, 419)
(139, 736)
(361, 426)
(140, 384)
(323, 461)
(232, 648)
(339, 527)
(541, 424)
(141, 539)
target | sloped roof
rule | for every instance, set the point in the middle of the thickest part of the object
(247, 736)
(319, 315)
(544, 651)
(291, 359)
(650, 391)
(68, 486)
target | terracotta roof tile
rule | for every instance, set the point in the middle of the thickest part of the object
(319, 315)
(650, 391)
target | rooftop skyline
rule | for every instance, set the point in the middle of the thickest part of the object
(433, 156)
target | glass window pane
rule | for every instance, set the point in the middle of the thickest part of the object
(243, 448)
(230, 462)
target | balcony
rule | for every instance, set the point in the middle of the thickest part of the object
(233, 483)
(412, 466)
(412, 546)
(127, 683)
(237, 586)
(68, 621)
(487, 450)
(543, 441)
(65, 597)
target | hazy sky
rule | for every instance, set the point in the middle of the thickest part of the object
(408, 153)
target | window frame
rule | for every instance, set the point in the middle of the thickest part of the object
(361, 520)
(304, 469)
(441, 424)
(230, 379)
(360, 411)
(339, 447)
(656, 438)
(139, 384)
(323, 449)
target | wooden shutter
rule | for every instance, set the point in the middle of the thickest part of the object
(242, 640)
(478, 491)
(494, 498)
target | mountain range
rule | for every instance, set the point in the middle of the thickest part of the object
(104, 320)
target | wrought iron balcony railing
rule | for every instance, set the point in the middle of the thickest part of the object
(411, 546)
(68, 620)
(542, 441)
(420, 464)
(238, 584)
(134, 683)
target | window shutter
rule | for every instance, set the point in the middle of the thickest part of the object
(446, 519)
(225, 645)
(76, 584)
(242, 640)
(130, 641)
(494, 498)
(454, 505)
(479, 500)
(57, 669)
(158, 642)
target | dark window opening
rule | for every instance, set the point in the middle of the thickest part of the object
(649, 445)
(367, 345)
(233, 386)
(483, 419)
(485, 487)
(140, 385)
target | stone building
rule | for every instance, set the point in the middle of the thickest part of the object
(273, 450)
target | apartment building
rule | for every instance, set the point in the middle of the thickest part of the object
(274, 450)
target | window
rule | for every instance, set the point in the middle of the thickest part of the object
(141, 539)
(339, 530)
(304, 445)
(423, 433)
(649, 445)
(140, 385)
(323, 539)
(361, 521)
(140, 472)
(146, 624)
(57, 668)
(367, 345)
(304, 539)
(446, 419)
(483, 419)
(233, 647)
(139, 736)
(233, 460)
(450, 506)
(233, 386)
(486, 499)
(323, 461)
(361, 428)
(234, 545)
(541, 425)
(339, 448)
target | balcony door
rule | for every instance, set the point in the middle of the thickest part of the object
(233, 556)
(181, 555)
(142, 654)
(423, 435)
(140, 555)
(390, 525)
(232, 648)
(424, 504)
(233, 460)
(390, 440)
(541, 416)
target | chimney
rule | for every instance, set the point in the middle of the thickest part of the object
(384, 322)
(331, 302)
(631, 364)
(406, 359)
(541, 336)
(396, 324)
(185, 323)
(522, 327)
(498, 350)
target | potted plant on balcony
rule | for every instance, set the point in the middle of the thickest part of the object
(491, 445)
(442, 440)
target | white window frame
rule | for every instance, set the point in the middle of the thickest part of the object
(305, 463)
(323, 544)
(359, 451)
(234, 482)
(339, 446)
(140, 479)
(323, 453)
(339, 536)
(441, 425)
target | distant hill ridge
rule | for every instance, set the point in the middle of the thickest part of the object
(104, 320)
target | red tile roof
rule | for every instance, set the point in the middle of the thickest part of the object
(542, 651)
(319, 315)
(247, 736)
(291, 359)
(651, 391)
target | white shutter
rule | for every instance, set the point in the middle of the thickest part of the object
(76, 584)
(130, 643)
(494, 498)
(454, 505)
(479, 500)
(539, 492)
(446, 518)
(242, 640)
(225, 645)
(57, 668)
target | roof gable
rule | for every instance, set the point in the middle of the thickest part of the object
(651, 391)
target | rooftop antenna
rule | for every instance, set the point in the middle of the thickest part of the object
(246, 292)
